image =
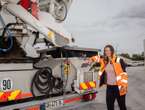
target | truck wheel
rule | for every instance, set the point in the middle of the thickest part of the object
(60, 10)
(89, 97)
(93, 96)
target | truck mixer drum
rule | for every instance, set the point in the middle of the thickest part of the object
(45, 83)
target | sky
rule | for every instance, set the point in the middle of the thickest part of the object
(96, 23)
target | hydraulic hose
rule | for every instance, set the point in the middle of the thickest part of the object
(10, 38)
(44, 82)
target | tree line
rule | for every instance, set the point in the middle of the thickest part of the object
(136, 57)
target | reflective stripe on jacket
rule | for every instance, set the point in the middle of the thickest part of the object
(120, 70)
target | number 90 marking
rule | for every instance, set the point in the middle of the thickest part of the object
(6, 84)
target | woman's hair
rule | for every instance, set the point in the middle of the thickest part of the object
(112, 52)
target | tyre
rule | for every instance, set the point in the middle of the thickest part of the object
(60, 12)
(89, 97)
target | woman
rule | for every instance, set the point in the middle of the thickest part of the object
(113, 73)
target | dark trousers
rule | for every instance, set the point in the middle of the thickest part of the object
(112, 94)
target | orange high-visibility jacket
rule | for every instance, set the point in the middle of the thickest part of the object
(121, 75)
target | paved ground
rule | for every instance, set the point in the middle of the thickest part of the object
(135, 96)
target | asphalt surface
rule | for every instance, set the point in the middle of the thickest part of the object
(135, 99)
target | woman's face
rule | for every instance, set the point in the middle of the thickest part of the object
(108, 52)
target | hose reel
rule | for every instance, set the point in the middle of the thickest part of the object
(45, 83)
